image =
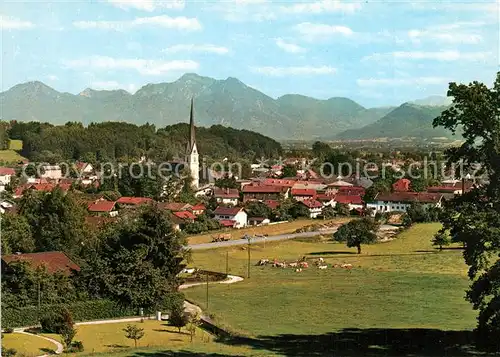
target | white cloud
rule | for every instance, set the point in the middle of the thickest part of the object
(112, 85)
(298, 71)
(143, 66)
(435, 56)
(206, 48)
(398, 82)
(446, 37)
(313, 31)
(244, 10)
(289, 47)
(323, 6)
(11, 23)
(148, 5)
(179, 23)
(52, 77)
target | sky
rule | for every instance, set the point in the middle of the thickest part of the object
(375, 52)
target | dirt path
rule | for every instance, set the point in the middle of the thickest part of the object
(59, 346)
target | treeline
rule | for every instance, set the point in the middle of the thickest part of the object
(120, 141)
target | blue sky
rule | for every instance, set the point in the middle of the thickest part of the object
(375, 52)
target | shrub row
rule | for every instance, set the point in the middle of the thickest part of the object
(81, 311)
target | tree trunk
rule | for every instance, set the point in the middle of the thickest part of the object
(179, 329)
(359, 248)
(440, 248)
(135, 342)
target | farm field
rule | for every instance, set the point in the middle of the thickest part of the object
(27, 345)
(275, 229)
(393, 287)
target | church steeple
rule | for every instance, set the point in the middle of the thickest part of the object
(192, 137)
(192, 151)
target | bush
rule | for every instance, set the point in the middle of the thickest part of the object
(8, 352)
(58, 322)
(8, 330)
(81, 311)
(76, 346)
(178, 318)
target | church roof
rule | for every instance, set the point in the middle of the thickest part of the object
(192, 136)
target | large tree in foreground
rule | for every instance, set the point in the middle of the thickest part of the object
(138, 263)
(474, 218)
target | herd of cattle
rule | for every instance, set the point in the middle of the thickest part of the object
(301, 264)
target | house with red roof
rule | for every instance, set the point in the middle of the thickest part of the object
(54, 262)
(174, 206)
(6, 174)
(301, 194)
(401, 201)
(185, 215)
(103, 208)
(315, 207)
(351, 191)
(236, 217)
(198, 209)
(326, 200)
(227, 195)
(401, 185)
(353, 201)
(124, 202)
(264, 192)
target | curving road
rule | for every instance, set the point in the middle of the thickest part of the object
(243, 241)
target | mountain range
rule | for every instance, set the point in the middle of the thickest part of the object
(228, 102)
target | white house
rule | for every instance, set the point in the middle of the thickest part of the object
(237, 216)
(6, 174)
(51, 172)
(401, 201)
(315, 207)
(84, 169)
(227, 195)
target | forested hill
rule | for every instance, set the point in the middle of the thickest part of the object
(117, 140)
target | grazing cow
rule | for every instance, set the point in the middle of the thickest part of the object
(298, 270)
(346, 266)
(323, 267)
(321, 260)
(293, 265)
(263, 262)
(303, 265)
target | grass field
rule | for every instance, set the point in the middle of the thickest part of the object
(393, 287)
(110, 338)
(10, 156)
(16, 145)
(275, 229)
(26, 345)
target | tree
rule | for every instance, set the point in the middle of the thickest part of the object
(441, 239)
(328, 212)
(139, 261)
(474, 217)
(289, 171)
(194, 321)
(258, 209)
(68, 333)
(226, 182)
(16, 234)
(357, 232)
(134, 332)
(342, 209)
(177, 317)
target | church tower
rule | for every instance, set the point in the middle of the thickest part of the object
(192, 151)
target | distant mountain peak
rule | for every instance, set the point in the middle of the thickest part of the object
(34, 87)
(433, 101)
